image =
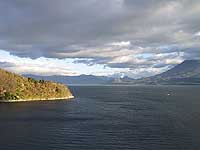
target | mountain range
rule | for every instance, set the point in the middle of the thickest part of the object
(188, 72)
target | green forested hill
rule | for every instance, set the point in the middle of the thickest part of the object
(16, 87)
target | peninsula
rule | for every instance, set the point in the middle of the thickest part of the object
(16, 88)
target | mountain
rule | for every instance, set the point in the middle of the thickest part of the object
(82, 79)
(188, 72)
(15, 88)
(187, 69)
(124, 80)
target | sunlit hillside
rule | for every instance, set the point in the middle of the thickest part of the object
(13, 86)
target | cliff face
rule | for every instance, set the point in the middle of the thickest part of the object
(15, 87)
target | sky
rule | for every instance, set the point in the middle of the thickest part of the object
(136, 38)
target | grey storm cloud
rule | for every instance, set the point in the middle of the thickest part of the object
(86, 29)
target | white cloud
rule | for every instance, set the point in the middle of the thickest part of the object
(197, 34)
(52, 66)
(138, 37)
(121, 44)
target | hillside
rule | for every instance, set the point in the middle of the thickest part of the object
(187, 69)
(15, 87)
(188, 72)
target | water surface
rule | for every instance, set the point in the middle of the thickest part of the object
(106, 117)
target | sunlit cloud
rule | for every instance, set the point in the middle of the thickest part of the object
(121, 44)
(197, 34)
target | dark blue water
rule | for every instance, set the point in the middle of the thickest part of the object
(106, 117)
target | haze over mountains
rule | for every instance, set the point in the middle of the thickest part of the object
(188, 72)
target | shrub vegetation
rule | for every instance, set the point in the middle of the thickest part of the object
(13, 87)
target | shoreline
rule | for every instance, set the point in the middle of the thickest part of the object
(41, 99)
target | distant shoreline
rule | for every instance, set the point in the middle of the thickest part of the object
(71, 85)
(42, 99)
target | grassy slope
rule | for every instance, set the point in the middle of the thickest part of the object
(13, 86)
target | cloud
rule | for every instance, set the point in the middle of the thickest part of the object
(52, 66)
(118, 34)
(197, 34)
(121, 44)
(39, 66)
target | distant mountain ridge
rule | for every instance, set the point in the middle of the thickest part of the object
(188, 72)
(82, 79)
(187, 69)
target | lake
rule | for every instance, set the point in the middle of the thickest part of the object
(106, 118)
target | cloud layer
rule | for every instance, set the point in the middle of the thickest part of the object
(148, 35)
